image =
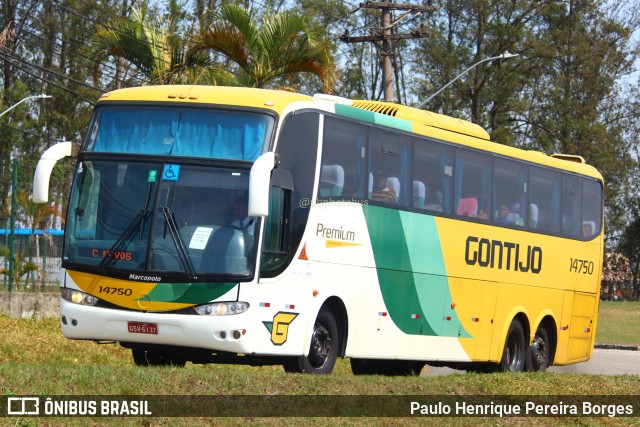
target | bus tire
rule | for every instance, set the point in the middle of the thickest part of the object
(323, 352)
(539, 352)
(515, 348)
(155, 358)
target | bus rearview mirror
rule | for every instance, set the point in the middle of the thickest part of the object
(45, 166)
(259, 183)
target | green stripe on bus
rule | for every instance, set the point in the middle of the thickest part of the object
(188, 293)
(411, 271)
(371, 117)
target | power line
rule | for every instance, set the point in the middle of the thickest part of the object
(24, 70)
(46, 70)
(386, 37)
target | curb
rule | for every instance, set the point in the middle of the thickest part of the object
(617, 347)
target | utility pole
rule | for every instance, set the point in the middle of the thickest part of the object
(385, 37)
(12, 226)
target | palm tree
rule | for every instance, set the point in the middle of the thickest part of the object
(282, 47)
(153, 47)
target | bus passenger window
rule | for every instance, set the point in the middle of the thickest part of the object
(591, 207)
(509, 184)
(343, 158)
(389, 162)
(472, 182)
(544, 190)
(432, 173)
(571, 204)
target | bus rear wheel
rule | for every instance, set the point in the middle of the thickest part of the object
(156, 358)
(514, 353)
(323, 351)
(539, 352)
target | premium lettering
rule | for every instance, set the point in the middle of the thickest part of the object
(335, 233)
(503, 255)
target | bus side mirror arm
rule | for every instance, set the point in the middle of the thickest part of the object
(260, 182)
(45, 166)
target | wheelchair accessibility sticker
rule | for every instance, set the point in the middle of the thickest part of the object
(171, 172)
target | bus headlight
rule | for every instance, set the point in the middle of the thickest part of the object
(222, 308)
(77, 297)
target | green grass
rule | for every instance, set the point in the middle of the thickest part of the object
(619, 323)
(36, 360)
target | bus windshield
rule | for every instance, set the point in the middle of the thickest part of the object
(134, 218)
(175, 131)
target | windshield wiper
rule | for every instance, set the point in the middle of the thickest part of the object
(119, 244)
(124, 238)
(183, 255)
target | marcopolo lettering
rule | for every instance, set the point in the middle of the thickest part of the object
(503, 255)
(144, 278)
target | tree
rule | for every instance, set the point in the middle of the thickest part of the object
(266, 56)
(154, 48)
(561, 95)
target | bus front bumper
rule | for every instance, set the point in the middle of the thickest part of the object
(216, 333)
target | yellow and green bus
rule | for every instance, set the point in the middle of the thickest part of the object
(239, 225)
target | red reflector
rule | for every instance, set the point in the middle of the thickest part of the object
(475, 319)
(290, 306)
(382, 313)
(587, 329)
(265, 304)
(415, 316)
(447, 318)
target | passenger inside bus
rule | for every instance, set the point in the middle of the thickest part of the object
(241, 219)
(468, 206)
(502, 214)
(588, 228)
(433, 199)
(381, 191)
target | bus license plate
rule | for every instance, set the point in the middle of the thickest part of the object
(143, 328)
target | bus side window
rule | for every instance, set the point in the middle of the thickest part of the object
(472, 182)
(591, 208)
(389, 158)
(544, 193)
(432, 173)
(510, 192)
(343, 155)
(571, 206)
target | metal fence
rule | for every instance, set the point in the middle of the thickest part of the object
(37, 265)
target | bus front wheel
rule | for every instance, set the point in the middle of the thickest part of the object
(514, 353)
(323, 351)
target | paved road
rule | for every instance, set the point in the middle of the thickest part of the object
(603, 362)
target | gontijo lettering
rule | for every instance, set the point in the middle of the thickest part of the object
(503, 255)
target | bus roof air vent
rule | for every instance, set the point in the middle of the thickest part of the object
(569, 157)
(424, 117)
(377, 107)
